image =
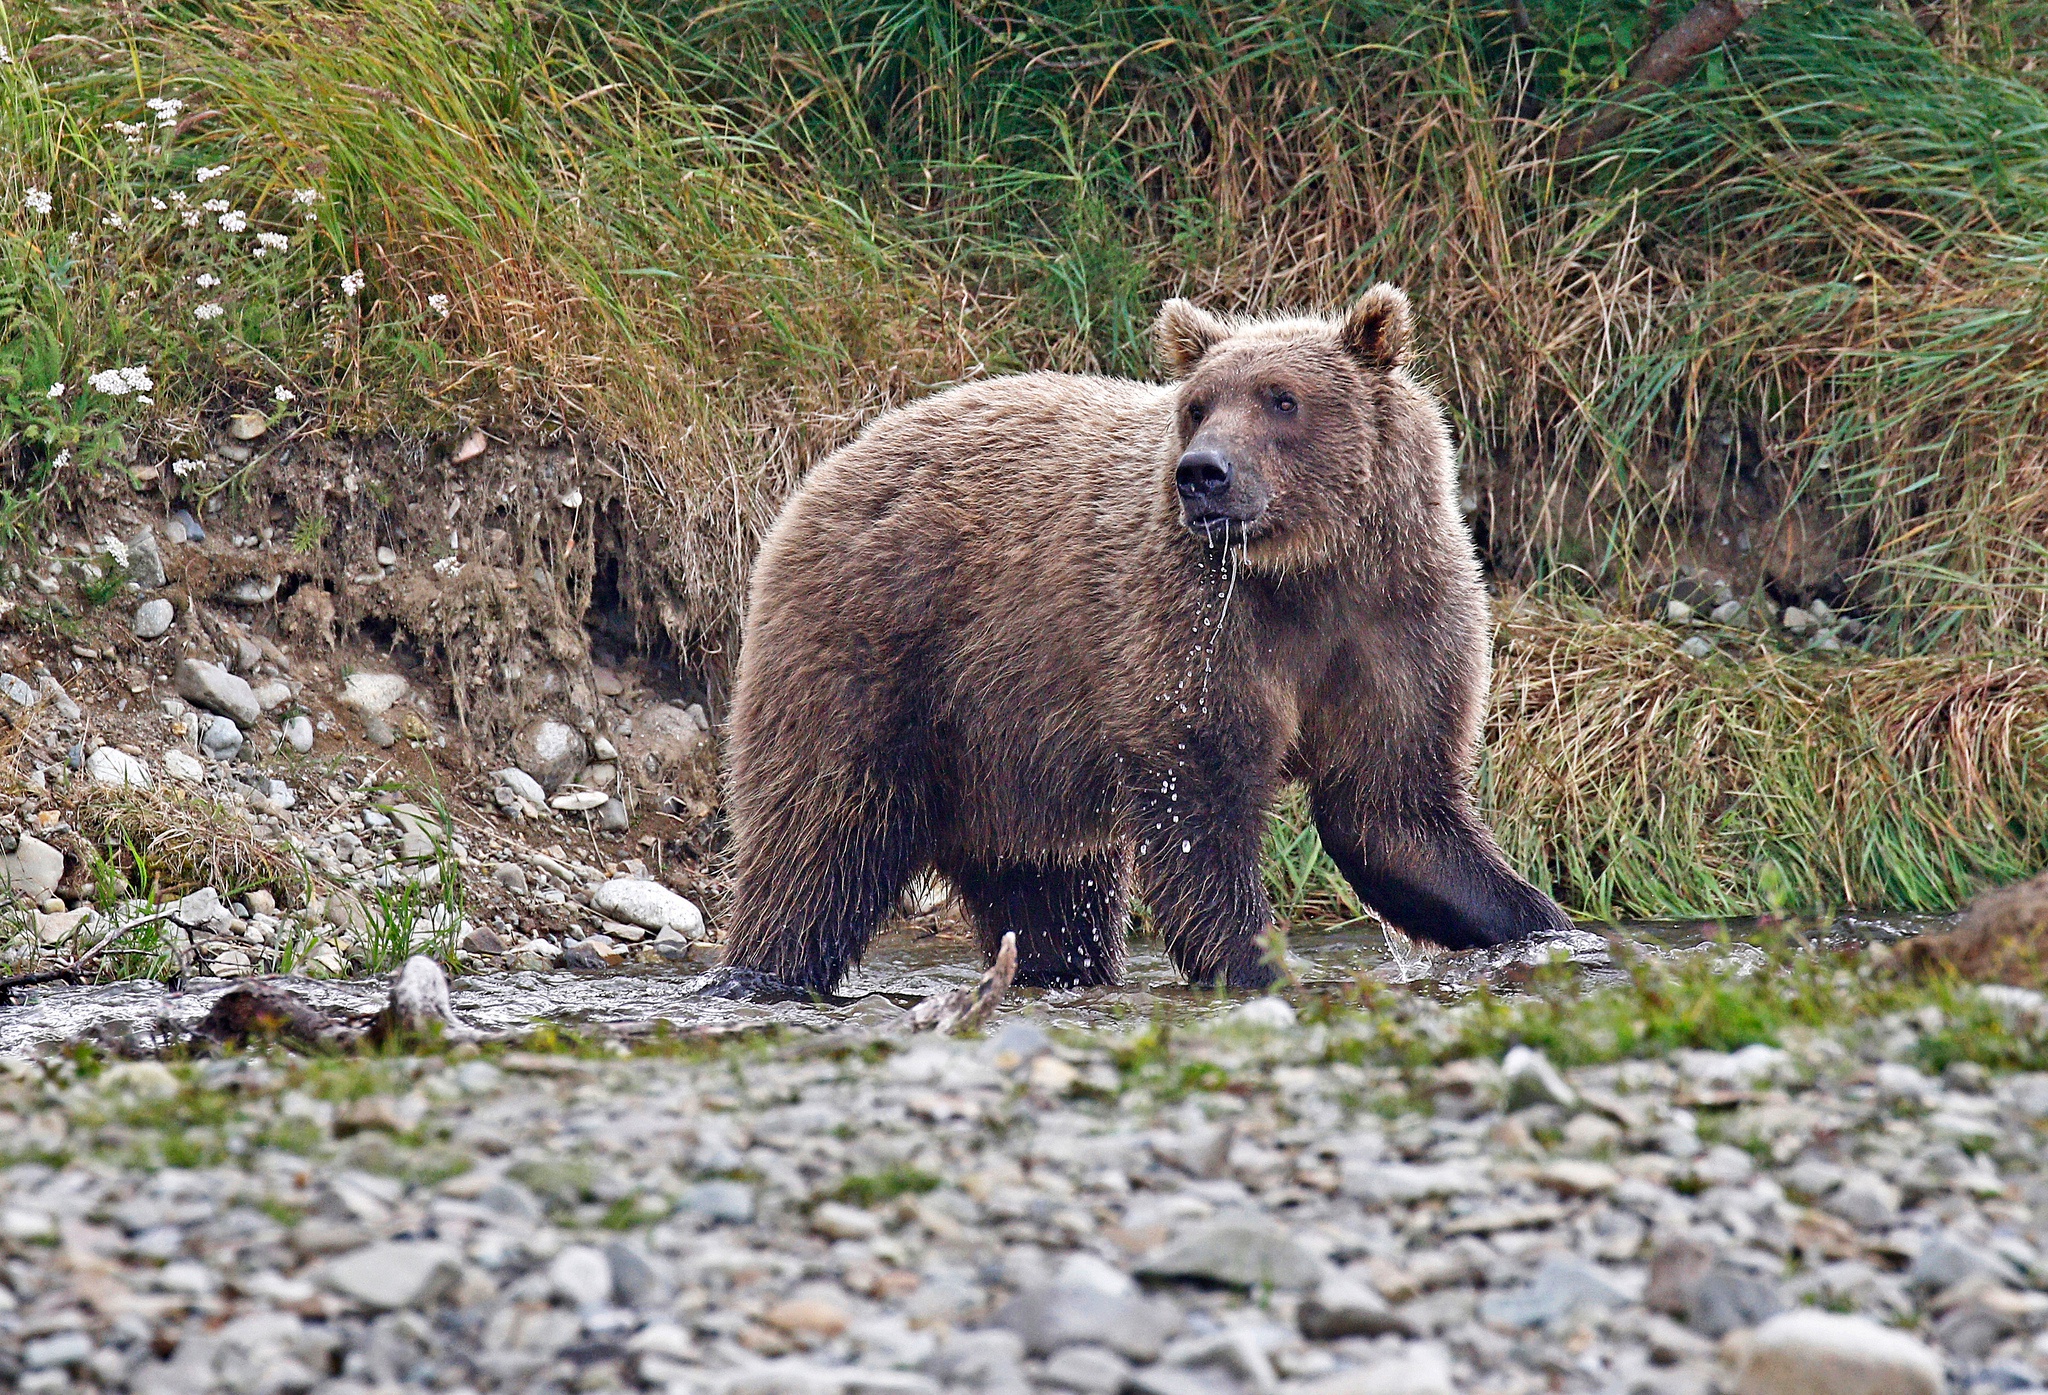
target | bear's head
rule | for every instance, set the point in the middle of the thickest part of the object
(1294, 436)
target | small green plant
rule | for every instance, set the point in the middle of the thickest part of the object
(874, 1188)
(310, 532)
(101, 580)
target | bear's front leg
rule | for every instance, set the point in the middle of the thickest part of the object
(1198, 869)
(1415, 850)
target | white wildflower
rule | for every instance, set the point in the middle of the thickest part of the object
(448, 566)
(63, 458)
(36, 200)
(119, 382)
(438, 303)
(131, 129)
(216, 205)
(353, 283)
(305, 196)
(5, 56)
(275, 242)
(56, 390)
(182, 468)
(212, 310)
(206, 279)
(234, 220)
(158, 204)
(145, 399)
(115, 549)
(178, 197)
(166, 109)
(114, 220)
(209, 172)
(190, 217)
(281, 393)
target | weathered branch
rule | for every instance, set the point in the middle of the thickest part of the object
(1663, 61)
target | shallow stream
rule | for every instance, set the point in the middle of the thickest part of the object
(902, 967)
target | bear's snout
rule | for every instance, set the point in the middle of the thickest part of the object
(1202, 475)
(1213, 489)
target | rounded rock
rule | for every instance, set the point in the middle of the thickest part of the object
(212, 687)
(549, 750)
(298, 733)
(371, 694)
(153, 618)
(112, 766)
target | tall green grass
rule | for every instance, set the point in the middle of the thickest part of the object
(1795, 306)
(1788, 327)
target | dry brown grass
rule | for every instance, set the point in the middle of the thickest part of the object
(1638, 782)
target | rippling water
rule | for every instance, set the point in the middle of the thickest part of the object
(902, 967)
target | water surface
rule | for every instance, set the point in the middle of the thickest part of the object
(904, 965)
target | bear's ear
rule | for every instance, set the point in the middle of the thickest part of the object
(1182, 334)
(1376, 331)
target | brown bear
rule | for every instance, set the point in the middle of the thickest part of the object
(1057, 636)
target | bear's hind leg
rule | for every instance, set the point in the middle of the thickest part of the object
(804, 908)
(1068, 917)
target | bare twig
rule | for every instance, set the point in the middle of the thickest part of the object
(1664, 60)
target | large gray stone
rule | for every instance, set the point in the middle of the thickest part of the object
(371, 694)
(33, 869)
(550, 751)
(1054, 1316)
(212, 687)
(219, 737)
(1241, 1252)
(145, 561)
(1814, 1353)
(114, 767)
(1423, 1369)
(648, 904)
(1345, 1307)
(153, 618)
(1562, 1285)
(395, 1273)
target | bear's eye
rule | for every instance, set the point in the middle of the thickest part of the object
(1284, 402)
(1196, 411)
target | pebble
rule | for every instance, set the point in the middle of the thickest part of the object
(298, 732)
(212, 687)
(579, 801)
(1530, 1079)
(1698, 647)
(395, 1274)
(581, 1276)
(153, 618)
(184, 767)
(511, 876)
(1241, 1252)
(378, 733)
(219, 737)
(521, 784)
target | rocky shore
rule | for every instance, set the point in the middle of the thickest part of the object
(1256, 1205)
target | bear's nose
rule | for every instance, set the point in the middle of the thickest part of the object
(1202, 474)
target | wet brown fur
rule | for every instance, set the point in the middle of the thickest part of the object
(984, 638)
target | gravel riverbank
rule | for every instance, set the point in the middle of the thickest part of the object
(1245, 1207)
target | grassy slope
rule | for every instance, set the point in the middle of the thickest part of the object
(1801, 294)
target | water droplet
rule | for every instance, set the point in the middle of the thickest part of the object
(1186, 846)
